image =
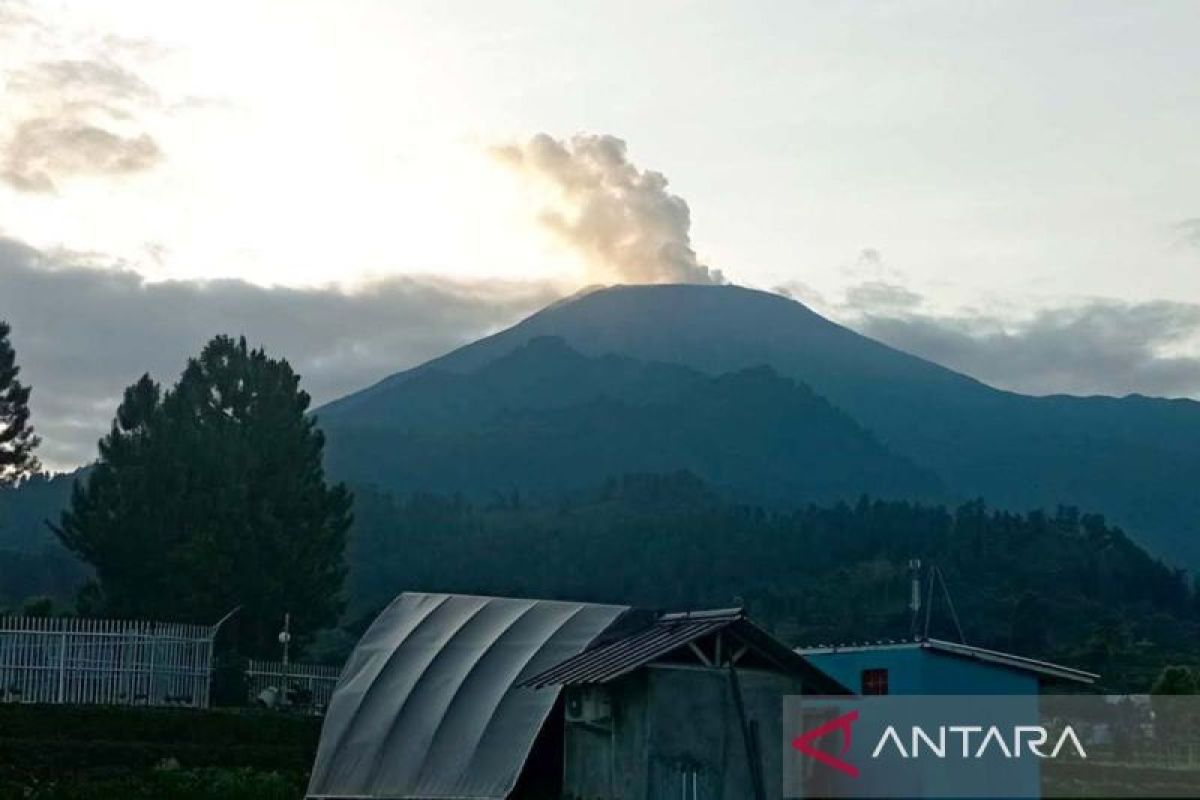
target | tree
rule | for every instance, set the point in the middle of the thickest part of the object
(212, 495)
(1174, 680)
(1170, 696)
(17, 440)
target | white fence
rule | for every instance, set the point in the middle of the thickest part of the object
(104, 662)
(307, 685)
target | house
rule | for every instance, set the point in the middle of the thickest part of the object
(934, 666)
(487, 697)
(682, 706)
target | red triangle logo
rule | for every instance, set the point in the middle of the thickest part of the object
(803, 743)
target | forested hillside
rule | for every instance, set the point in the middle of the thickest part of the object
(32, 562)
(545, 419)
(1063, 585)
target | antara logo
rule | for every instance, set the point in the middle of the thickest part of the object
(1033, 737)
(804, 743)
(949, 741)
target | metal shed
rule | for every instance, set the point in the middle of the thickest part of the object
(432, 703)
(685, 706)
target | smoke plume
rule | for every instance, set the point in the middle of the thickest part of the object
(622, 220)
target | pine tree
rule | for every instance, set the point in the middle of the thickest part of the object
(212, 495)
(17, 440)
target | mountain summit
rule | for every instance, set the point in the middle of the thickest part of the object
(1132, 458)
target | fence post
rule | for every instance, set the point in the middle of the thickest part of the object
(62, 665)
(150, 696)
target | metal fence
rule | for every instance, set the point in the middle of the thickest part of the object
(104, 662)
(300, 685)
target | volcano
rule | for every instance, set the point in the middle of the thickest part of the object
(768, 400)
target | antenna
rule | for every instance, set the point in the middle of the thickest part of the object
(936, 575)
(914, 602)
(950, 603)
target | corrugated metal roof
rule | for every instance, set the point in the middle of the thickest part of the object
(430, 703)
(612, 659)
(961, 650)
(1014, 661)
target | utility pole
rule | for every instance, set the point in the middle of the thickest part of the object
(285, 639)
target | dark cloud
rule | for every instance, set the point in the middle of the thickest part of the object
(82, 334)
(1094, 347)
(622, 219)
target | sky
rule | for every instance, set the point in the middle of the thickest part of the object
(1009, 188)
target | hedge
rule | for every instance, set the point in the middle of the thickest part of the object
(46, 741)
(164, 784)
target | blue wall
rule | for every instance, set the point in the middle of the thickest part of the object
(916, 670)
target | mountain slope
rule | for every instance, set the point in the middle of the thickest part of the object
(1132, 458)
(544, 418)
(1062, 586)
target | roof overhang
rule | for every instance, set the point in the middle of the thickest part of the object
(1045, 670)
(663, 635)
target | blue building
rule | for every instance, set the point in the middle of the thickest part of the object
(934, 666)
(937, 667)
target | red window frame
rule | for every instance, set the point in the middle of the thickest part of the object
(874, 681)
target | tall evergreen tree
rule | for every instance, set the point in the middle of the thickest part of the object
(212, 495)
(17, 440)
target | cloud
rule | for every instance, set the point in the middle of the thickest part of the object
(87, 82)
(15, 16)
(1081, 346)
(76, 116)
(1089, 347)
(82, 334)
(1189, 230)
(44, 150)
(882, 295)
(622, 220)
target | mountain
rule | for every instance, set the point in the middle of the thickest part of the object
(32, 561)
(1133, 458)
(545, 419)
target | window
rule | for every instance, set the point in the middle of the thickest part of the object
(874, 681)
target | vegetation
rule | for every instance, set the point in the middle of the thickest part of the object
(1176, 680)
(1134, 459)
(163, 783)
(546, 419)
(17, 439)
(111, 753)
(1063, 585)
(212, 495)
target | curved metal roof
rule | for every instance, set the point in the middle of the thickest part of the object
(430, 703)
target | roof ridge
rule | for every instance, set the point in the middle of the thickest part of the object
(732, 613)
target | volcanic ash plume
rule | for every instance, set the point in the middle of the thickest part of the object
(622, 220)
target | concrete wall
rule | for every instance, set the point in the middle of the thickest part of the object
(676, 735)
